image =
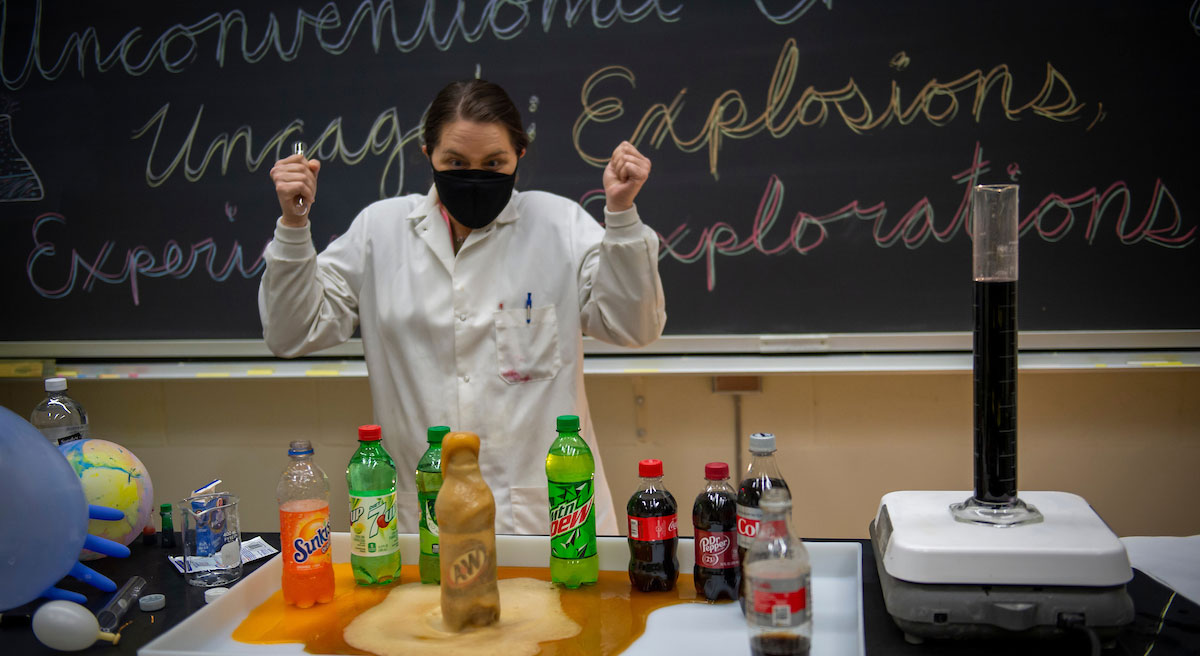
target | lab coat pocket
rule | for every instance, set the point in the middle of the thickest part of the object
(527, 350)
(531, 509)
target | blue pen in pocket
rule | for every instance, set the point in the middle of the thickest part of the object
(528, 306)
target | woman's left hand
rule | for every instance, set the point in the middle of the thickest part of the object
(624, 176)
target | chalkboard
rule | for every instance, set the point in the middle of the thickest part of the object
(811, 158)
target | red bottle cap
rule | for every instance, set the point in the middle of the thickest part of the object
(715, 471)
(370, 433)
(650, 468)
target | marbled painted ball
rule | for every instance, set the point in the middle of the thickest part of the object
(112, 476)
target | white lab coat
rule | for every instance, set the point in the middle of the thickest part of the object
(448, 339)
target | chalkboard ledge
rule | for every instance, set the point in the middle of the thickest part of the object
(608, 365)
(749, 344)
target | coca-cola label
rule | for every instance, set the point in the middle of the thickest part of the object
(716, 550)
(747, 525)
(779, 602)
(653, 529)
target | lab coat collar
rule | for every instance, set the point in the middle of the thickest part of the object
(428, 207)
(427, 220)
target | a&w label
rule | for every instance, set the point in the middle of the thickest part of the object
(747, 525)
(572, 520)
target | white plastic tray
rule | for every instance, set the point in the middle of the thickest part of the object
(702, 628)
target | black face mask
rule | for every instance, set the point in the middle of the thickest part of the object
(474, 197)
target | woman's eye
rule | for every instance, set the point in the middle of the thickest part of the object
(492, 164)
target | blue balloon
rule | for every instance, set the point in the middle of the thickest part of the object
(43, 513)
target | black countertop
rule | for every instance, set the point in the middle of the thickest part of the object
(1175, 632)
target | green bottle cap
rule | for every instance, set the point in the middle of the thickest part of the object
(436, 433)
(166, 507)
(568, 424)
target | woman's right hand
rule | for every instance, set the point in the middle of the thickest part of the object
(295, 176)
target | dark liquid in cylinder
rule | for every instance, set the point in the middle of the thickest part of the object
(779, 644)
(995, 391)
(653, 566)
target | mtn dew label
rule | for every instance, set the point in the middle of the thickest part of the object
(572, 520)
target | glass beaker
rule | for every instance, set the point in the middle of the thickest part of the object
(212, 539)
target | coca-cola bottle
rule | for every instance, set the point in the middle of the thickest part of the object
(714, 520)
(653, 532)
(761, 475)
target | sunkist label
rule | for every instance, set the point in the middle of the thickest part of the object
(373, 527)
(571, 506)
(305, 538)
(653, 529)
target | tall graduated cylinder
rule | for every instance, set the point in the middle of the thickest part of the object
(374, 530)
(994, 230)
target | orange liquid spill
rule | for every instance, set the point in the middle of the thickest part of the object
(611, 613)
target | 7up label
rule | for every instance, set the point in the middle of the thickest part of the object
(572, 520)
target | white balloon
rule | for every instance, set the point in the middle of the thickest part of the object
(67, 626)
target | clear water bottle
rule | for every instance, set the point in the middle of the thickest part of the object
(60, 417)
(777, 579)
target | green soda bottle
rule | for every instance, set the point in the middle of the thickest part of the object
(571, 473)
(429, 481)
(374, 531)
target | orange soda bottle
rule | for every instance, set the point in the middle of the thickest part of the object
(303, 496)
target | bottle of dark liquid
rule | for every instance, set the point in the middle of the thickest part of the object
(653, 532)
(778, 584)
(761, 475)
(718, 574)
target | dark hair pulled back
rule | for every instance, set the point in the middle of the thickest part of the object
(478, 101)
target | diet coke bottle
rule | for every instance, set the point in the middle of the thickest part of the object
(714, 519)
(761, 475)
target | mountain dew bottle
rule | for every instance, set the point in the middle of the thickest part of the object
(571, 473)
(429, 481)
(374, 531)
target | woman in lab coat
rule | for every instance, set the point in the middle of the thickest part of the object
(472, 299)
